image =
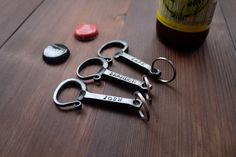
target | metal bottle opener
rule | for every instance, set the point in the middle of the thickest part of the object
(143, 86)
(137, 104)
(122, 55)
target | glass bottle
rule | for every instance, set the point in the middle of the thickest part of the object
(184, 23)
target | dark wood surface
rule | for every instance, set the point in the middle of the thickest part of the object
(193, 116)
(228, 13)
(13, 14)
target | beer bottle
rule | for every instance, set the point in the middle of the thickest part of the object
(184, 23)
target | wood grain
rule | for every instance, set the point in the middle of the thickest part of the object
(227, 8)
(192, 116)
(13, 15)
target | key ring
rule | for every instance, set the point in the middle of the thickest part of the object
(149, 86)
(114, 43)
(172, 66)
(144, 110)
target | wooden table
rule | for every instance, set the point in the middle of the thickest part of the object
(193, 116)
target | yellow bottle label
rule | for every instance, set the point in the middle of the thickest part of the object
(186, 15)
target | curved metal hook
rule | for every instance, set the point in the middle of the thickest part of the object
(65, 84)
(92, 61)
(114, 43)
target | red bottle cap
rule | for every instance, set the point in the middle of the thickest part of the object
(86, 32)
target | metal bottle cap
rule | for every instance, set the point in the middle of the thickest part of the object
(56, 54)
(86, 32)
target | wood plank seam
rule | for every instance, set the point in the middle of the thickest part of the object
(17, 28)
(227, 25)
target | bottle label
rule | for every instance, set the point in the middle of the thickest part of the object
(186, 15)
